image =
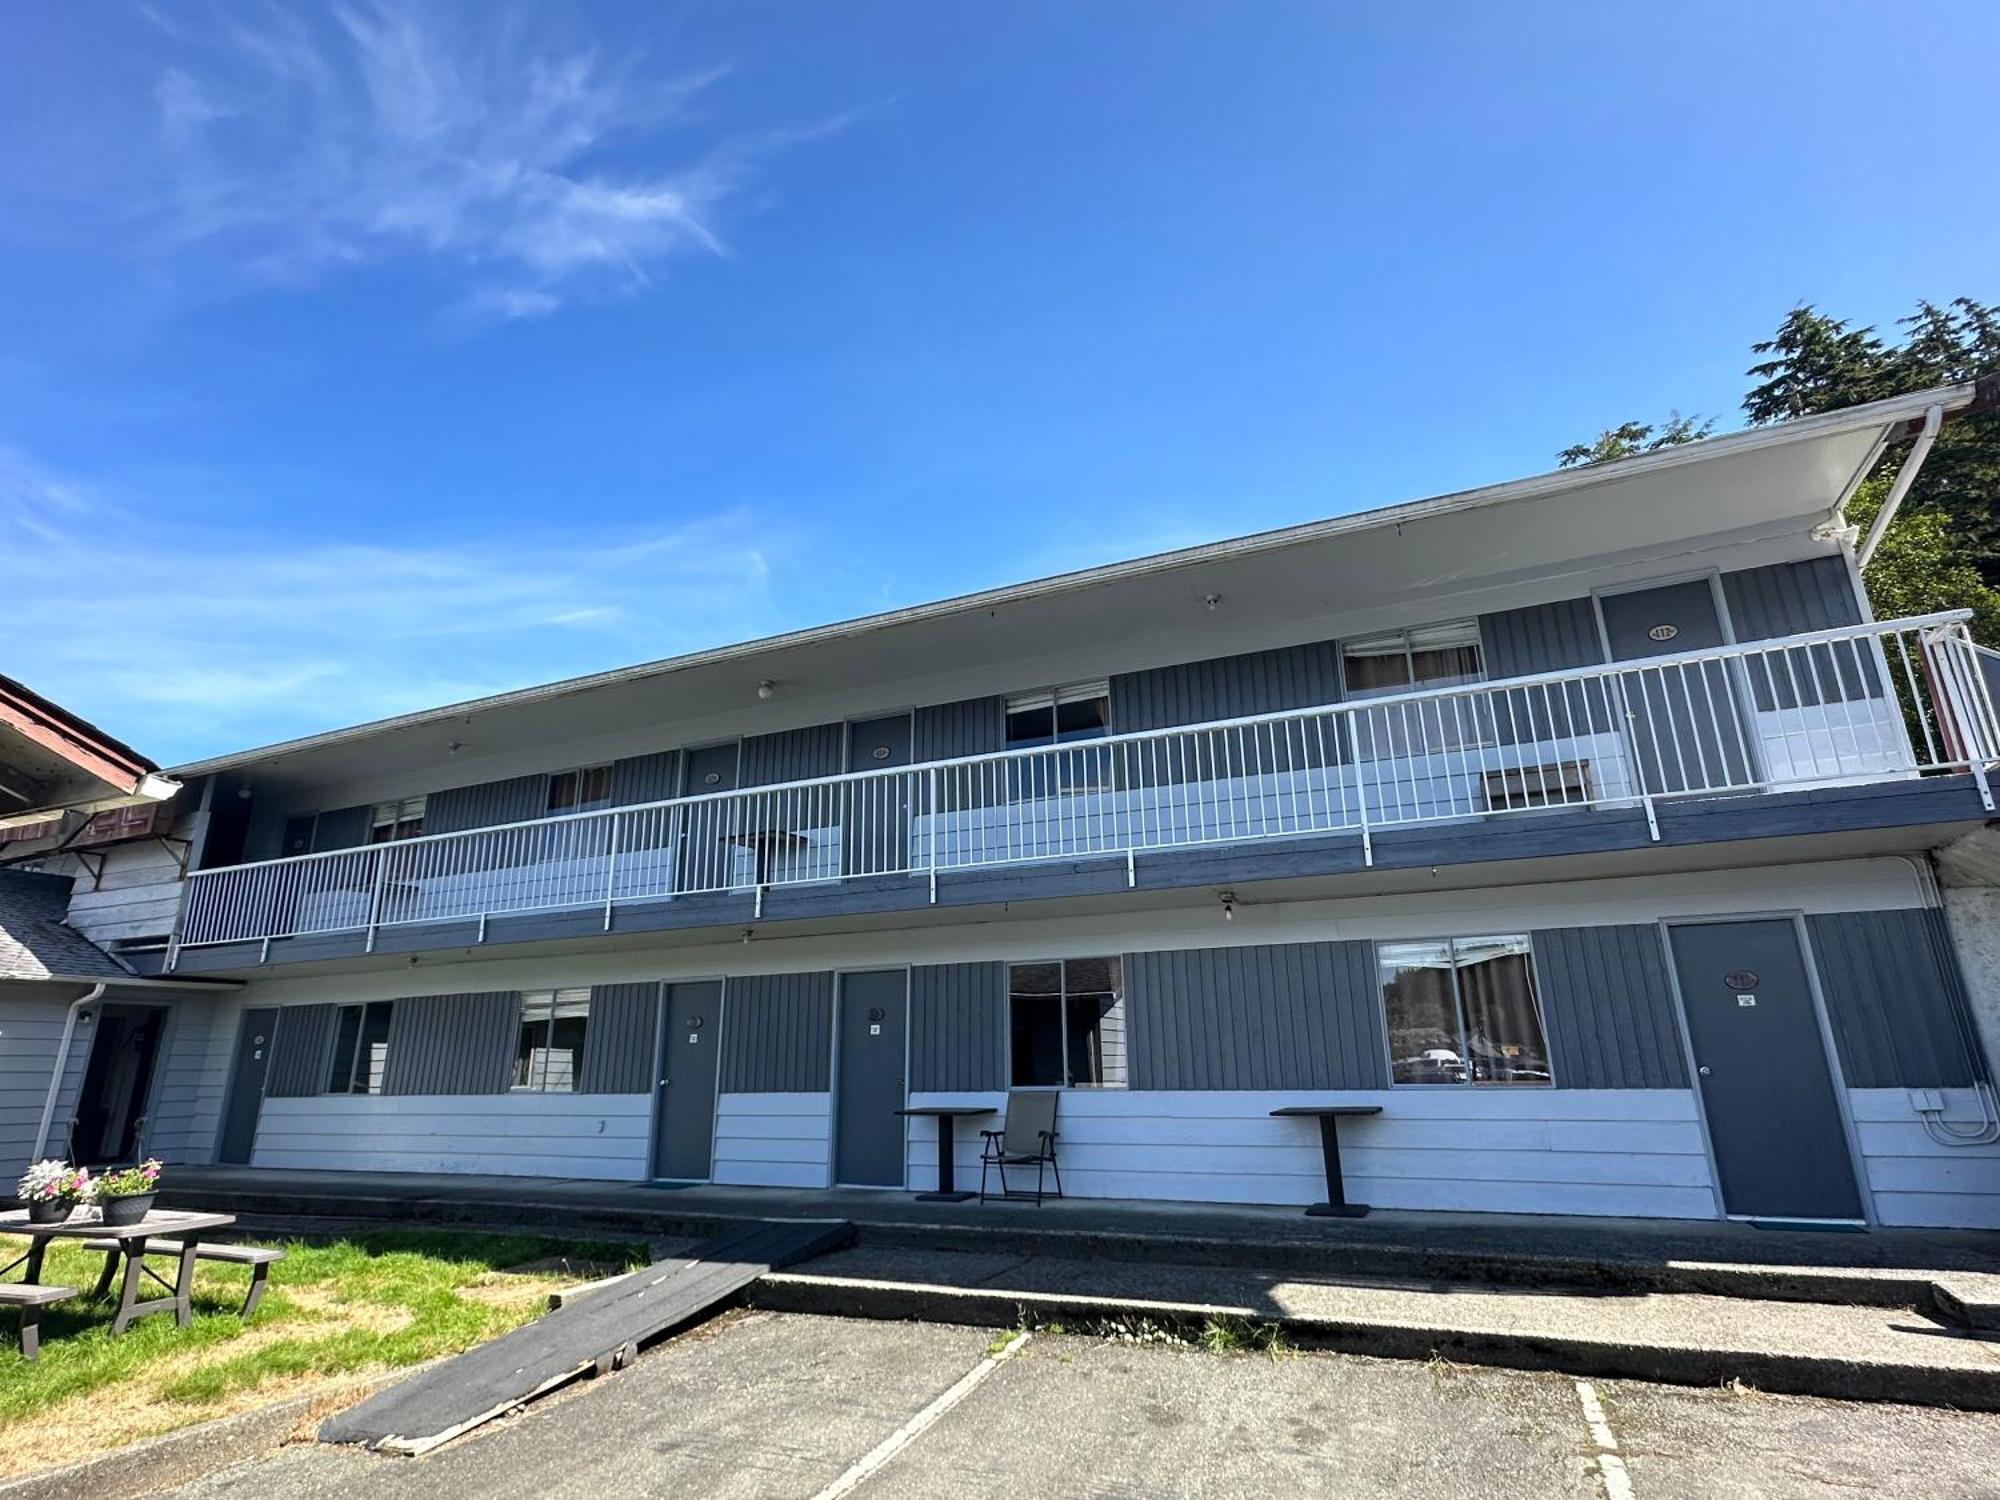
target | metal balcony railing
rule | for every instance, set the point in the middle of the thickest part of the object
(1866, 703)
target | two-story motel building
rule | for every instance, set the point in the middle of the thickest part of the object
(1586, 823)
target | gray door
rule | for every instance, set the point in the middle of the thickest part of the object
(710, 843)
(1687, 730)
(876, 834)
(1773, 1117)
(867, 1131)
(246, 1084)
(684, 1111)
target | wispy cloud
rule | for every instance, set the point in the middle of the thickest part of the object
(304, 142)
(189, 643)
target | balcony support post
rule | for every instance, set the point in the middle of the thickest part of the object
(1360, 793)
(375, 894)
(1652, 819)
(935, 816)
(610, 868)
(1131, 869)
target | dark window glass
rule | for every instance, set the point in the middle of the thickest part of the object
(1083, 719)
(1503, 1024)
(549, 1054)
(1029, 727)
(1067, 1023)
(1094, 1012)
(1463, 1011)
(1422, 1013)
(360, 1048)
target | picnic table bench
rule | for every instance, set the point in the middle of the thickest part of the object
(259, 1260)
(133, 1241)
(31, 1300)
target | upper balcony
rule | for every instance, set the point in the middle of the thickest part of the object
(1623, 749)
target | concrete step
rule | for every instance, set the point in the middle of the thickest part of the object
(1867, 1353)
(1967, 1298)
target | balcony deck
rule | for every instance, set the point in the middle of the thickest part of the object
(1887, 726)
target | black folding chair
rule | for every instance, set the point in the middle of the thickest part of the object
(1029, 1140)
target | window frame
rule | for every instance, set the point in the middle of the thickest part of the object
(579, 775)
(400, 813)
(1053, 699)
(1451, 943)
(1349, 693)
(553, 997)
(1062, 997)
(357, 1058)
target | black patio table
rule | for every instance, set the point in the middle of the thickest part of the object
(87, 1224)
(946, 1116)
(1328, 1115)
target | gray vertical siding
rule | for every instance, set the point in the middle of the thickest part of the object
(618, 1044)
(1894, 997)
(300, 1052)
(1540, 638)
(1285, 1016)
(1790, 598)
(646, 778)
(487, 805)
(453, 1044)
(793, 754)
(777, 1034)
(947, 731)
(1544, 638)
(958, 1027)
(1608, 1008)
(343, 828)
(1227, 687)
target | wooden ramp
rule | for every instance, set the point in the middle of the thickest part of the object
(601, 1332)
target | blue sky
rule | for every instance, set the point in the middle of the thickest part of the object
(356, 359)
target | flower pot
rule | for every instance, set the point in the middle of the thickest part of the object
(129, 1210)
(49, 1210)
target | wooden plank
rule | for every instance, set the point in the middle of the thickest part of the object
(598, 1334)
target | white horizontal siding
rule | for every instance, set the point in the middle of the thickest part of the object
(774, 1140)
(30, 1032)
(194, 1070)
(135, 896)
(1610, 1151)
(602, 1136)
(1916, 1180)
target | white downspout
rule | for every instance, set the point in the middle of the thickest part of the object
(62, 1064)
(1905, 477)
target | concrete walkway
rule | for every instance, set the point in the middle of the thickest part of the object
(1953, 1271)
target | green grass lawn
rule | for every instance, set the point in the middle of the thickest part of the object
(365, 1301)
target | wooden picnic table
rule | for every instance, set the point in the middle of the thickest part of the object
(88, 1224)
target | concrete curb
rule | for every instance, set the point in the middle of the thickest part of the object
(1785, 1374)
(1387, 1259)
(186, 1454)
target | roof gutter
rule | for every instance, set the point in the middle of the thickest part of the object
(1906, 476)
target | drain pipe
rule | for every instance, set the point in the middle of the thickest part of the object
(1905, 477)
(76, 1007)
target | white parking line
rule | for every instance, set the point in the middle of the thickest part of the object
(911, 1430)
(1610, 1467)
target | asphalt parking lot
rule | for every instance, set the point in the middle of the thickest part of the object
(771, 1405)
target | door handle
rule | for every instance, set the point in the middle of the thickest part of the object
(1702, 1070)
(663, 1083)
